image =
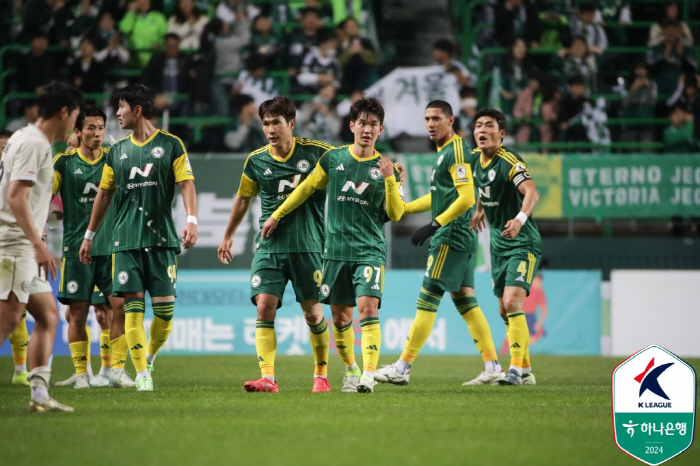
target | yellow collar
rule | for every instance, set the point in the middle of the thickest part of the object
(289, 154)
(448, 142)
(86, 160)
(141, 144)
(365, 159)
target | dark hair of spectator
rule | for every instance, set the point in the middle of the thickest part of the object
(444, 107)
(242, 100)
(172, 35)
(579, 38)
(670, 23)
(324, 35)
(211, 30)
(492, 113)
(39, 34)
(180, 16)
(586, 7)
(445, 45)
(690, 81)
(5, 133)
(88, 38)
(28, 103)
(278, 106)
(575, 79)
(137, 95)
(89, 111)
(305, 11)
(368, 106)
(342, 24)
(676, 106)
(255, 62)
(467, 91)
(57, 95)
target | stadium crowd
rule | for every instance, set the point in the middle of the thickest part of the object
(559, 80)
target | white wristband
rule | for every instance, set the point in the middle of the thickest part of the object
(522, 216)
(89, 234)
(191, 219)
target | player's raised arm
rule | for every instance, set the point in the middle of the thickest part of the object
(529, 190)
(394, 197)
(103, 199)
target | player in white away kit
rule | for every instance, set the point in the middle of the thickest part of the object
(26, 179)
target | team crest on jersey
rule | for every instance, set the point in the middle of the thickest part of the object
(519, 167)
(122, 278)
(461, 171)
(255, 281)
(492, 174)
(303, 166)
(375, 173)
(72, 286)
(325, 290)
(157, 152)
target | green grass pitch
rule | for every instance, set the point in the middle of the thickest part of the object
(199, 414)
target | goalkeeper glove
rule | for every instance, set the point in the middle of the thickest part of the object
(425, 233)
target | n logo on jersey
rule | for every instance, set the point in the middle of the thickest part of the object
(485, 192)
(289, 184)
(90, 187)
(147, 171)
(359, 188)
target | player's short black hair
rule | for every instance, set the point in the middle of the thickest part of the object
(446, 45)
(56, 95)
(586, 7)
(444, 107)
(492, 113)
(137, 95)
(575, 79)
(278, 106)
(5, 133)
(89, 111)
(367, 106)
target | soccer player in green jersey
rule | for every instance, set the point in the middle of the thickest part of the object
(294, 253)
(362, 186)
(76, 177)
(140, 174)
(452, 253)
(507, 197)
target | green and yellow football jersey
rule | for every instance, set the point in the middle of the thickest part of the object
(497, 182)
(144, 176)
(77, 179)
(452, 170)
(274, 179)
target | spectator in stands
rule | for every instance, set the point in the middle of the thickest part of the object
(264, 41)
(110, 50)
(84, 17)
(167, 74)
(86, 73)
(670, 11)
(300, 41)
(443, 51)
(614, 16)
(687, 96)
(517, 66)
(467, 111)
(248, 133)
(145, 29)
(254, 82)
(228, 10)
(320, 65)
(571, 107)
(188, 23)
(679, 137)
(538, 101)
(346, 135)
(357, 56)
(516, 19)
(554, 21)
(117, 9)
(37, 67)
(578, 61)
(585, 26)
(639, 101)
(284, 11)
(668, 60)
(45, 16)
(30, 109)
(318, 118)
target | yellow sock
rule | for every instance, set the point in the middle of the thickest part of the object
(118, 352)
(105, 348)
(418, 335)
(371, 343)
(89, 341)
(478, 326)
(345, 343)
(526, 358)
(266, 346)
(319, 336)
(134, 310)
(19, 340)
(518, 338)
(161, 326)
(79, 351)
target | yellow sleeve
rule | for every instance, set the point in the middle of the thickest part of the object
(107, 181)
(422, 204)
(57, 179)
(462, 178)
(317, 180)
(183, 169)
(248, 187)
(394, 199)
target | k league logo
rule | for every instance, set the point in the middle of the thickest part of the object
(653, 405)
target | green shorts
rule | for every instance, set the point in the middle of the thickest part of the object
(449, 269)
(270, 273)
(516, 270)
(345, 281)
(79, 280)
(139, 270)
(98, 298)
